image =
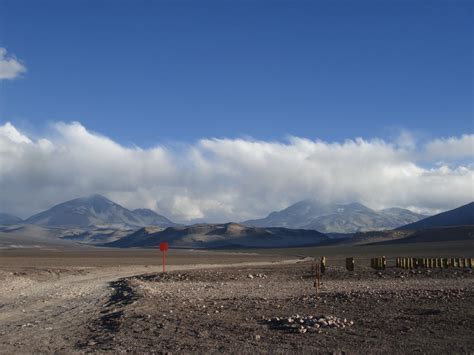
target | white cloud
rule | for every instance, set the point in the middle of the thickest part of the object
(10, 67)
(8, 131)
(227, 179)
(451, 148)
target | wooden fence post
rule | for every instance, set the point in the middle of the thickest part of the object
(350, 264)
(323, 264)
(317, 277)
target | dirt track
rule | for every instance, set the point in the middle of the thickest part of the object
(46, 309)
(219, 309)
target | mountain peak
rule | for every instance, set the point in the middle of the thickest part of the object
(98, 198)
(96, 210)
(335, 217)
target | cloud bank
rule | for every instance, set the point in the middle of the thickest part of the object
(230, 179)
(10, 67)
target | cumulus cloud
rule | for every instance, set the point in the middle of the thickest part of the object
(451, 148)
(10, 67)
(228, 179)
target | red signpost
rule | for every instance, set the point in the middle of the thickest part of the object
(164, 248)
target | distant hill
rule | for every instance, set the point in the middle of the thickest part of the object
(96, 210)
(229, 235)
(7, 219)
(438, 234)
(336, 218)
(372, 237)
(403, 236)
(460, 216)
(94, 236)
(31, 236)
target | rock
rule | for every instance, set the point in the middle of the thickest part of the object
(250, 276)
(302, 324)
(257, 337)
(302, 330)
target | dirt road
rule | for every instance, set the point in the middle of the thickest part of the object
(45, 310)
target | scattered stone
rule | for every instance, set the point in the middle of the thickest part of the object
(302, 330)
(260, 276)
(303, 324)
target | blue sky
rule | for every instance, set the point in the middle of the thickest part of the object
(228, 110)
(144, 72)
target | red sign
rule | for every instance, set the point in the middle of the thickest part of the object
(164, 246)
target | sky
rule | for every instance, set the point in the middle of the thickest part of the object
(228, 110)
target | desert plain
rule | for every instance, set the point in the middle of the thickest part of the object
(85, 300)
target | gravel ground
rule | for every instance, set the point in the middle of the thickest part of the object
(44, 310)
(274, 309)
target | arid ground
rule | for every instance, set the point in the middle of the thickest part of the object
(210, 302)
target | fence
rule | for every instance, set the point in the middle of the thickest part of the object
(381, 263)
(434, 263)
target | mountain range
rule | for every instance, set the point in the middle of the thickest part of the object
(336, 218)
(99, 221)
(228, 235)
(96, 210)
